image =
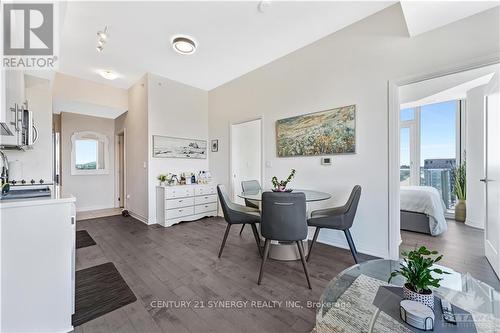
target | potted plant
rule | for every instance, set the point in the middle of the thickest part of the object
(460, 192)
(417, 269)
(280, 186)
(162, 178)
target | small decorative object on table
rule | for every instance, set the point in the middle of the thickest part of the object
(417, 315)
(280, 186)
(162, 178)
(460, 191)
(417, 269)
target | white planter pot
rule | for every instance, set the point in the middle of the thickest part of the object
(426, 299)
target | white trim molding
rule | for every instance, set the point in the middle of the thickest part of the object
(393, 142)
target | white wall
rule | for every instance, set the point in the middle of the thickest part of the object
(37, 162)
(91, 191)
(474, 147)
(176, 110)
(352, 66)
(246, 154)
(135, 126)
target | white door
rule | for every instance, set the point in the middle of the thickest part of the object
(246, 155)
(492, 174)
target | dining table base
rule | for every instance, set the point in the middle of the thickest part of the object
(286, 250)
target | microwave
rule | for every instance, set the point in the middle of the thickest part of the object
(23, 133)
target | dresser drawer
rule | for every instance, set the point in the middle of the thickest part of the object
(179, 212)
(178, 203)
(206, 189)
(205, 208)
(204, 199)
(179, 192)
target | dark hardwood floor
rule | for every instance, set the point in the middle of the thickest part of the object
(180, 264)
(462, 247)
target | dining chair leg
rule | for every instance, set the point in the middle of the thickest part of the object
(224, 239)
(304, 264)
(264, 258)
(242, 227)
(316, 233)
(257, 238)
(354, 252)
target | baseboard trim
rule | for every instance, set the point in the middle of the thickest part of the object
(138, 217)
(474, 224)
(342, 243)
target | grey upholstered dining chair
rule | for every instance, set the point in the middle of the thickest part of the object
(246, 186)
(339, 218)
(237, 214)
(284, 218)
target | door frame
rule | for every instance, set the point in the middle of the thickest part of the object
(262, 153)
(394, 232)
(124, 171)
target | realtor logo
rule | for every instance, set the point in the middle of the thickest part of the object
(28, 35)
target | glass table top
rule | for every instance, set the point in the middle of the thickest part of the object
(356, 287)
(310, 195)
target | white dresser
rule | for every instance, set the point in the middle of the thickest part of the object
(175, 204)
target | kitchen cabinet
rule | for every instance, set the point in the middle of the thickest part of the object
(37, 264)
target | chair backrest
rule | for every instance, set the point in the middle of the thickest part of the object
(225, 203)
(284, 216)
(248, 186)
(351, 206)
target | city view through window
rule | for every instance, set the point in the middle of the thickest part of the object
(436, 141)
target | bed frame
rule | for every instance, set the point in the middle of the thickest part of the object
(413, 221)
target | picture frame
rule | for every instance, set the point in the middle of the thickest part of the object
(214, 144)
(172, 147)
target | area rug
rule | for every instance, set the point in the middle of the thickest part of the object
(99, 290)
(83, 239)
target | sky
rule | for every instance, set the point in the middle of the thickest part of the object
(86, 151)
(437, 132)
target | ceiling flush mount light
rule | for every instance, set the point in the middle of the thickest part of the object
(108, 75)
(184, 45)
(102, 38)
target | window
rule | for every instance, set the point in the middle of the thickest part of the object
(428, 147)
(89, 154)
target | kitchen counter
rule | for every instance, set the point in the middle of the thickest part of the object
(55, 198)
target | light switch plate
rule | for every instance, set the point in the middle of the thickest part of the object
(326, 161)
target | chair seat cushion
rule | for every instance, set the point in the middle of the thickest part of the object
(329, 222)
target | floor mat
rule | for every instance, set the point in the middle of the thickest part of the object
(83, 239)
(99, 290)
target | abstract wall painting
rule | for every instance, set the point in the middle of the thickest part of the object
(327, 132)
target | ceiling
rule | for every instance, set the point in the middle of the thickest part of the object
(445, 88)
(423, 16)
(233, 37)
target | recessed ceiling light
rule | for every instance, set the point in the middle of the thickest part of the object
(107, 74)
(184, 45)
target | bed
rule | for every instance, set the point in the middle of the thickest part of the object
(422, 210)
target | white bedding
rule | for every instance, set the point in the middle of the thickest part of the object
(426, 200)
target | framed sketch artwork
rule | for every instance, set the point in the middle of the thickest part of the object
(168, 147)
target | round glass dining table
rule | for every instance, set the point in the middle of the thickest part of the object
(311, 196)
(280, 250)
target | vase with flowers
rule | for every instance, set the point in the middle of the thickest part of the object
(280, 186)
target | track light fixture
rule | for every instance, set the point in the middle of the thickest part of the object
(102, 38)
